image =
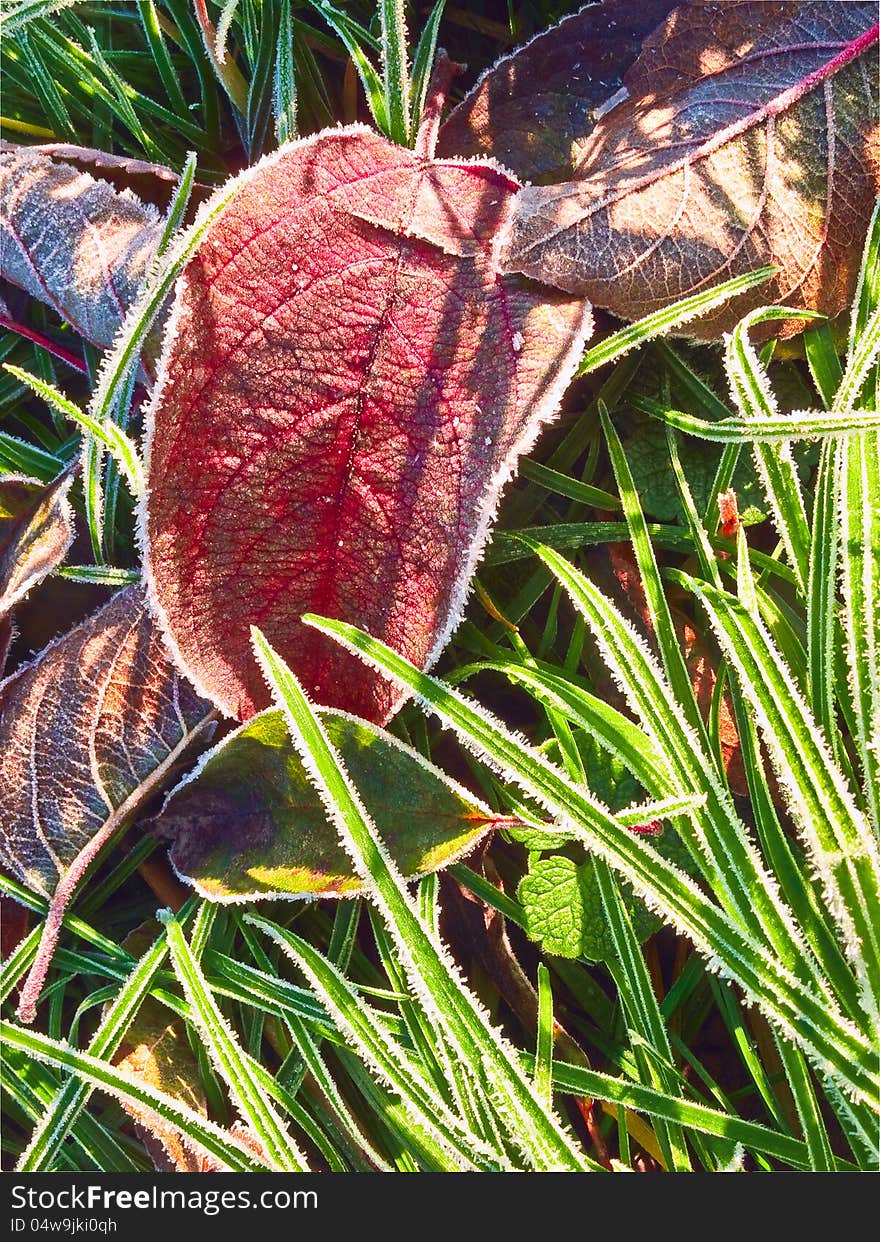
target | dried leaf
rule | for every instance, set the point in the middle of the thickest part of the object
(87, 733)
(156, 1050)
(347, 385)
(72, 241)
(35, 533)
(248, 823)
(749, 136)
(534, 109)
(93, 157)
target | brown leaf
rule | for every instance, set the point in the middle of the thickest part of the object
(87, 733)
(534, 109)
(749, 137)
(72, 241)
(92, 157)
(14, 920)
(156, 1051)
(35, 533)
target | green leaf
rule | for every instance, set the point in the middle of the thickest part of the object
(648, 457)
(555, 905)
(249, 823)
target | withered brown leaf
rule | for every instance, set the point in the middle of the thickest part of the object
(35, 533)
(749, 137)
(87, 733)
(534, 109)
(72, 241)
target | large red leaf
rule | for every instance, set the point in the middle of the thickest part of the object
(346, 386)
(748, 135)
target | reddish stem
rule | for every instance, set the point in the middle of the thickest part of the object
(44, 342)
(435, 101)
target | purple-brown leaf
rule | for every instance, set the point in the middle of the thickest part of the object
(35, 533)
(347, 384)
(87, 733)
(749, 137)
(534, 109)
(73, 241)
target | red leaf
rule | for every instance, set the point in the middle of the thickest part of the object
(347, 384)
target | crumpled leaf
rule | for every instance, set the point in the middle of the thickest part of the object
(73, 241)
(347, 384)
(87, 733)
(35, 533)
(534, 109)
(749, 136)
(248, 823)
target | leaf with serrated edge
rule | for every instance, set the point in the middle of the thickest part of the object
(87, 733)
(35, 533)
(248, 823)
(73, 242)
(749, 136)
(534, 109)
(346, 386)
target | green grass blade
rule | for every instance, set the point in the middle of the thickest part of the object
(108, 434)
(667, 320)
(799, 425)
(838, 839)
(532, 1127)
(423, 62)
(98, 1073)
(382, 1054)
(860, 588)
(836, 1045)
(775, 465)
(73, 1096)
(284, 82)
(395, 69)
(812, 1123)
(227, 1055)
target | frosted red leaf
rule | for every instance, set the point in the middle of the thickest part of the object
(346, 386)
